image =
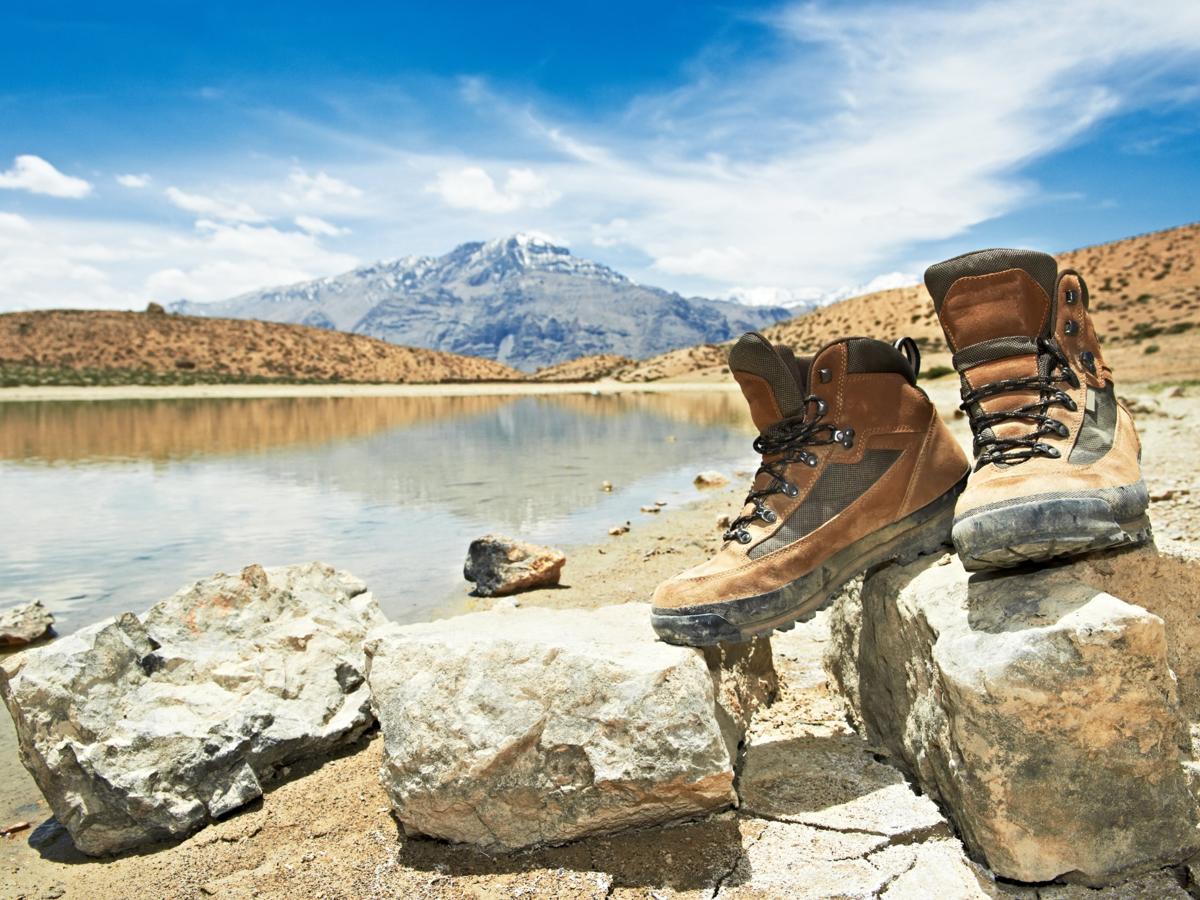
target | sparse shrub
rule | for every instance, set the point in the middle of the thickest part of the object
(1151, 348)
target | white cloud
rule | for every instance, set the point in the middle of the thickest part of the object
(34, 174)
(13, 223)
(230, 259)
(473, 188)
(316, 225)
(203, 205)
(56, 263)
(321, 187)
(133, 181)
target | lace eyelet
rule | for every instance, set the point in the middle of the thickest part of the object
(768, 516)
(743, 537)
(791, 490)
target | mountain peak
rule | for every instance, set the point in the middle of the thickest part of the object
(517, 255)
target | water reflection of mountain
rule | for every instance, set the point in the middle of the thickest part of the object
(178, 429)
(528, 460)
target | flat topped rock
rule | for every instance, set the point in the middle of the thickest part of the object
(1039, 708)
(25, 624)
(143, 729)
(517, 727)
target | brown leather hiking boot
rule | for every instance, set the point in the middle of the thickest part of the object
(857, 469)
(1056, 469)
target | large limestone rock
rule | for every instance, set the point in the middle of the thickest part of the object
(1039, 709)
(24, 624)
(517, 727)
(138, 730)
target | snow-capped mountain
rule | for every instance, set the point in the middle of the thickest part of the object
(520, 300)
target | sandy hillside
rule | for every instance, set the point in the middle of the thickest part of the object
(1145, 297)
(586, 368)
(99, 347)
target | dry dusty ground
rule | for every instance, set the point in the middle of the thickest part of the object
(326, 831)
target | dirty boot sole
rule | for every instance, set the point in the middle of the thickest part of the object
(925, 531)
(1048, 526)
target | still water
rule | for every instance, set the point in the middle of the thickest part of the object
(106, 507)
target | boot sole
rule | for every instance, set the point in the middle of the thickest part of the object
(734, 621)
(1049, 526)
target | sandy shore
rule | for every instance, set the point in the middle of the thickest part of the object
(251, 391)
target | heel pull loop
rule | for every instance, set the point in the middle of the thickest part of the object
(912, 353)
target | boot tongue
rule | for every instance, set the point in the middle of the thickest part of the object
(772, 379)
(993, 306)
(993, 294)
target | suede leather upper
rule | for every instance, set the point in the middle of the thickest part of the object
(1010, 303)
(886, 412)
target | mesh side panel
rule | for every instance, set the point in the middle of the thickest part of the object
(753, 353)
(839, 486)
(939, 277)
(1099, 426)
(996, 348)
(869, 355)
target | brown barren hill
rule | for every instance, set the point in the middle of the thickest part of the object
(585, 368)
(1144, 296)
(674, 363)
(103, 347)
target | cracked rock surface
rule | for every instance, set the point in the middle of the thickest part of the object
(519, 727)
(1039, 709)
(143, 729)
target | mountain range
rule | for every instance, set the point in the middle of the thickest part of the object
(521, 300)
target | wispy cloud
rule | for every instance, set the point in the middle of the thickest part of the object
(318, 226)
(202, 205)
(133, 181)
(34, 174)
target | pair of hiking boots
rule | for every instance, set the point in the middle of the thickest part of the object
(859, 469)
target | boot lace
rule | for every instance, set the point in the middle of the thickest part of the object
(990, 449)
(786, 441)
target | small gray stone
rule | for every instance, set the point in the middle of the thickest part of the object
(500, 565)
(23, 625)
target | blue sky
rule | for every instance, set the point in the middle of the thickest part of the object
(768, 151)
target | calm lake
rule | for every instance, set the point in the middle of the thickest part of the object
(106, 507)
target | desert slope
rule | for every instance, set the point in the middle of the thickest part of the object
(106, 347)
(1145, 299)
(1141, 287)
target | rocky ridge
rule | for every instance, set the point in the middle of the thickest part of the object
(521, 300)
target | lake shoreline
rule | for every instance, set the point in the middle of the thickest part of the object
(31, 394)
